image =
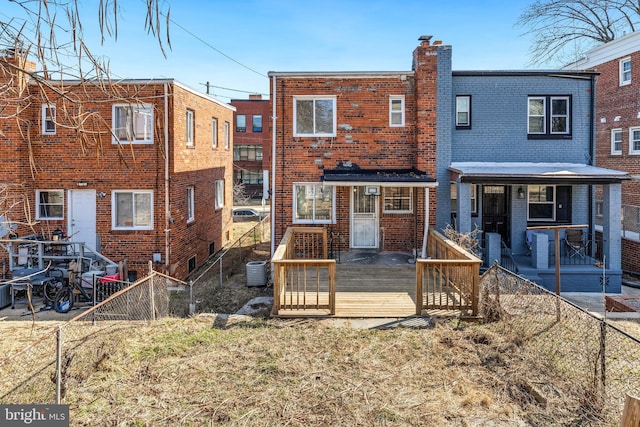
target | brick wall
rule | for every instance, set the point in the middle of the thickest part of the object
(62, 160)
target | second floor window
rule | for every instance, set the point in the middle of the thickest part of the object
(314, 116)
(256, 122)
(214, 132)
(226, 135)
(549, 116)
(396, 110)
(616, 141)
(133, 123)
(241, 123)
(463, 111)
(247, 152)
(625, 71)
(190, 128)
(48, 119)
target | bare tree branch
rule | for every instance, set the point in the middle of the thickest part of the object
(564, 29)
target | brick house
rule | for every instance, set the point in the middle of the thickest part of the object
(147, 176)
(360, 152)
(251, 145)
(618, 130)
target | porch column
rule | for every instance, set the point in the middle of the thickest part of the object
(612, 227)
(464, 207)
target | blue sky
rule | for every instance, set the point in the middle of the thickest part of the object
(287, 35)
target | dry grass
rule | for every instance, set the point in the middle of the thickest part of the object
(264, 373)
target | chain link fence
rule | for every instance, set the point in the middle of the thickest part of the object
(67, 355)
(583, 357)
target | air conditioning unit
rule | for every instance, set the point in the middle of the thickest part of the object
(372, 190)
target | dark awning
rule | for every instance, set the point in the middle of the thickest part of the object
(534, 173)
(382, 177)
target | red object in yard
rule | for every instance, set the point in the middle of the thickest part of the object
(110, 278)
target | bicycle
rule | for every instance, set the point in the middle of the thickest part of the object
(65, 295)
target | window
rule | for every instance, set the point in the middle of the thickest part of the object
(474, 198)
(541, 203)
(634, 140)
(132, 210)
(189, 126)
(397, 200)
(214, 132)
(256, 122)
(396, 110)
(250, 177)
(48, 119)
(463, 111)
(616, 141)
(49, 204)
(219, 193)
(625, 71)
(191, 263)
(549, 116)
(191, 216)
(314, 116)
(314, 203)
(226, 135)
(133, 123)
(241, 123)
(599, 208)
(247, 152)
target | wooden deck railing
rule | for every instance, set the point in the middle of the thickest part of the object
(304, 279)
(448, 278)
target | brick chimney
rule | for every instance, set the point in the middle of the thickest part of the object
(255, 96)
(15, 68)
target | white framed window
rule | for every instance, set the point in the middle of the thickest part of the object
(133, 123)
(132, 210)
(474, 198)
(256, 123)
(625, 71)
(214, 132)
(634, 140)
(463, 111)
(396, 110)
(48, 119)
(49, 204)
(241, 123)
(219, 193)
(313, 203)
(191, 207)
(226, 135)
(549, 116)
(314, 116)
(541, 203)
(190, 127)
(397, 199)
(616, 141)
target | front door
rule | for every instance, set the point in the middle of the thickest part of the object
(495, 211)
(364, 219)
(82, 217)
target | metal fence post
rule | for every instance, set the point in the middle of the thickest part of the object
(603, 354)
(192, 306)
(58, 364)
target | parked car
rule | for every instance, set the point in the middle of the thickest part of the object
(247, 214)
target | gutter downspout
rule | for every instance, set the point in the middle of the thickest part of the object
(167, 210)
(592, 154)
(273, 168)
(426, 223)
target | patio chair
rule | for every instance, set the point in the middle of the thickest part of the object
(576, 243)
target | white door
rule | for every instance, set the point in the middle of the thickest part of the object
(82, 217)
(364, 219)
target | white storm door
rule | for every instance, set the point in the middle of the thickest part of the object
(82, 217)
(364, 219)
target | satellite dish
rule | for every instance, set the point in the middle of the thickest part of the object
(6, 227)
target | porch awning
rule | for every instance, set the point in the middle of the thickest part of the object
(381, 177)
(534, 173)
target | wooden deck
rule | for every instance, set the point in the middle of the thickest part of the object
(369, 290)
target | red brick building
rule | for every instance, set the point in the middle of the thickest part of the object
(136, 169)
(356, 152)
(252, 145)
(618, 129)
